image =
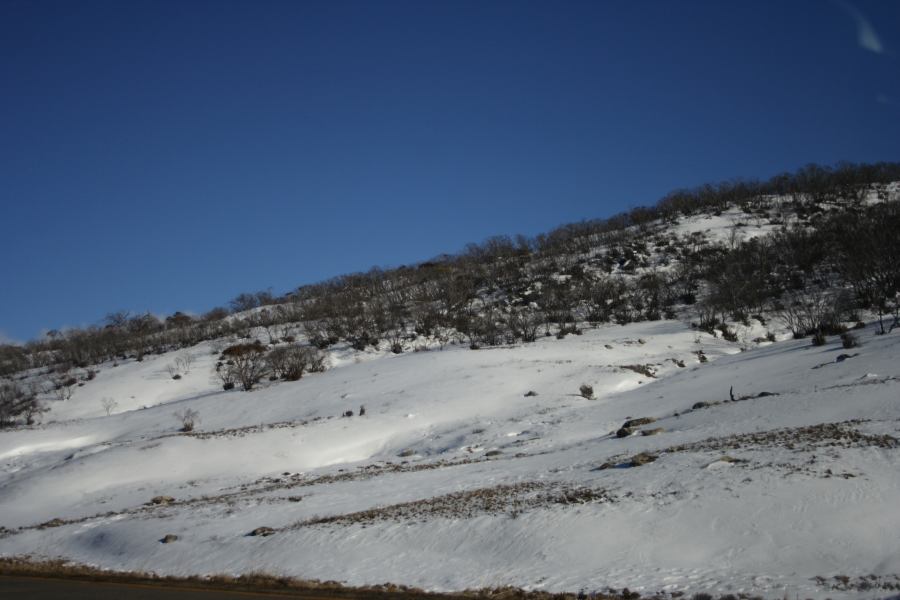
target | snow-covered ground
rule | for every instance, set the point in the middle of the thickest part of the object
(455, 478)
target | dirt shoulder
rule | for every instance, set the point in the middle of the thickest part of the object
(30, 574)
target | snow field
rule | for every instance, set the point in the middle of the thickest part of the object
(423, 486)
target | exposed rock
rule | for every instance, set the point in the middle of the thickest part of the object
(624, 432)
(654, 431)
(493, 453)
(843, 357)
(169, 538)
(645, 370)
(642, 459)
(262, 532)
(632, 423)
(699, 405)
(56, 522)
(161, 500)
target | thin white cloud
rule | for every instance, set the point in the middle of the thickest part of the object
(866, 36)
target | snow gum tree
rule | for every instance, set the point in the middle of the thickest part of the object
(245, 363)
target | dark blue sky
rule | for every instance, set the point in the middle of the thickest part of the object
(168, 155)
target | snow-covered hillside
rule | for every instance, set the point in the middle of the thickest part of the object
(486, 468)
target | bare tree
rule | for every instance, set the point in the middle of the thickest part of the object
(141, 327)
(869, 257)
(117, 320)
(395, 337)
(244, 302)
(226, 375)
(291, 362)
(173, 371)
(16, 401)
(524, 323)
(810, 312)
(108, 405)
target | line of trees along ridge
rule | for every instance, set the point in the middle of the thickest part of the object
(833, 251)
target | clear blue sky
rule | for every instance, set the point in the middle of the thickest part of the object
(168, 155)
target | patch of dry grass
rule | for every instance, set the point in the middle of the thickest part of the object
(810, 438)
(863, 583)
(248, 492)
(839, 435)
(510, 499)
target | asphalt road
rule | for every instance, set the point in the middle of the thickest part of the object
(36, 588)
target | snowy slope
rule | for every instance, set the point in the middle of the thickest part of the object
(454, 478)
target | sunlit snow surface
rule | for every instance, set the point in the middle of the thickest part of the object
(763, 516)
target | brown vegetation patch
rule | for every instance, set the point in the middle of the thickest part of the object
(158, 504)
(638, 460)
(863, 583)
(632, 423)
(25, 566)
(840, 435)
(645, 370)
(501, 499)
(289, 481)
(242, 431)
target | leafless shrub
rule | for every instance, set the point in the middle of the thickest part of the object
(728, 333)
(185, 361)
(395, 337)
(227, 378)
(63, 386)
(291, 362)
(848, 340)
(16, 401)
(809, 312)
(188, 418)
(108, 405)
(524, 324)
(246, 363)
